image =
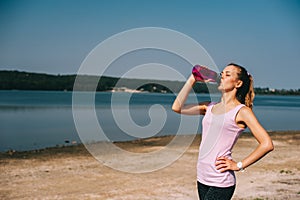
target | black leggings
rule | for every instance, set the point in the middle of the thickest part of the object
(214, 193)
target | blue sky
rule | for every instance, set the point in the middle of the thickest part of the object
(55, 36)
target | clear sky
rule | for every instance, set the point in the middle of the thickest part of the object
(55, 36)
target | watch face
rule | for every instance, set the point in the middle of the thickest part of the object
(239, 165)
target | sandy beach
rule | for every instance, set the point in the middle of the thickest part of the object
(73, 173)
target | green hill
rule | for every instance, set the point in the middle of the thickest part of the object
(16, 80)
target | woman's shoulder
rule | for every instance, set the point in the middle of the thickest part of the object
(244, 111)
(245, 108)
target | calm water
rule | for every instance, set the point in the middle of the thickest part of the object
(38, 119)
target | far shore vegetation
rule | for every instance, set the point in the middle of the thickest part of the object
(17, 80)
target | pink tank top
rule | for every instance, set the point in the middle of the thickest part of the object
(219, 134)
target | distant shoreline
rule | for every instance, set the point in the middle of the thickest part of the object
(20, 80)
(152, 141)
(132, 91)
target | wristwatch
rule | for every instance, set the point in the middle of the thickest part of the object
(240, 166)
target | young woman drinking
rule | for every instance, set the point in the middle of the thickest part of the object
(222, 123)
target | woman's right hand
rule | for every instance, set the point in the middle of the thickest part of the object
(191, 79)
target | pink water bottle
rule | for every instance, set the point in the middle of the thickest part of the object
(203, 74)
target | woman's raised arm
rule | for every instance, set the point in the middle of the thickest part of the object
(191, 109)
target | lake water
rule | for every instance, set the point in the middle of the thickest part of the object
(38, 119)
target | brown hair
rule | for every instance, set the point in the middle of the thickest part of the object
(245, 94)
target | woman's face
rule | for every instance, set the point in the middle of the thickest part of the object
(229, 78)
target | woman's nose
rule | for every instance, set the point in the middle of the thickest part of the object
(221, 75)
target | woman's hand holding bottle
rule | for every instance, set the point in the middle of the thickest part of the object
(203, 74)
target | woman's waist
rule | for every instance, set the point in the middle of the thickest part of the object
(208, 174)
(211, 156)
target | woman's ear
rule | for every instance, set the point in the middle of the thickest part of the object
(239, 84)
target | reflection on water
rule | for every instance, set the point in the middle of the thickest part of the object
(26, 128)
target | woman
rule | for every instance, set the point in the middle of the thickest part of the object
(222, 123)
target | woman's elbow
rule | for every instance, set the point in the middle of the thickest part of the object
(176, 109)
(269, 146)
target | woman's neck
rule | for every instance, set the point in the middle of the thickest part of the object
(229, 98)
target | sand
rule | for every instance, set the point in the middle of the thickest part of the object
(73, 173)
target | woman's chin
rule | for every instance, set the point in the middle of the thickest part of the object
(220, 88)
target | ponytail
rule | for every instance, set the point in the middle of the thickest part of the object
(249, 98)
(245, 94)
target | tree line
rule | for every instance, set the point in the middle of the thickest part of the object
(16, 80)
